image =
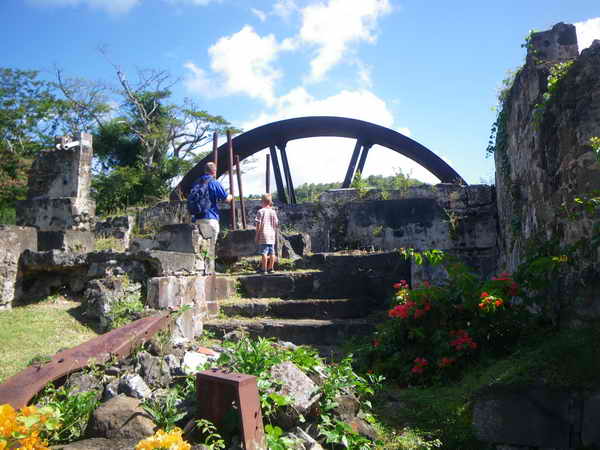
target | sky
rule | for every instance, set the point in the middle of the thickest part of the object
(429, 70)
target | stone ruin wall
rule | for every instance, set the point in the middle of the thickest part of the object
(548, 160)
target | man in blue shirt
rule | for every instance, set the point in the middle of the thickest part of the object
(208, 221)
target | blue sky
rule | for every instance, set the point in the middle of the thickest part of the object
(430, 70)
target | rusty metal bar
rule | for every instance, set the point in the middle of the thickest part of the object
(215, 151)
(19, 389)
(219, 391)
(288, 174)
(268, 175)
(231, 186)
(363, 158)
(239, 180)
(350, 172)
(278, 180)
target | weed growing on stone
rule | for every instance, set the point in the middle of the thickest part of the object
(164, 411)
(125, 311)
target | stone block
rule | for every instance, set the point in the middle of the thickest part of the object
(300, 243)
(237, 244)
(119, 227)
(72, 241)
(63, 172)
(181, 237)
(173, 292)
(498, 417)
(169, 263)
(57, 214)
(14, 240)
(142, 244)
(188, 325)
(590, 432)
(479, 195)
(224, 287)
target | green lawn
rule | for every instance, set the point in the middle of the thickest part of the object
(39, 330)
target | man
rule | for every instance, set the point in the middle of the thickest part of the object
(208, 219)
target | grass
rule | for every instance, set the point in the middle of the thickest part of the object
(110, 243)
(570, 358)
(39, 331)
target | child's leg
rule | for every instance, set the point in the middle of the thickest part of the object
(271, 261)
(264, 262)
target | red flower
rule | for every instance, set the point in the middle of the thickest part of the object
(376, 343)
(419, 313)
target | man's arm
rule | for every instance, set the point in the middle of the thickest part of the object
(222, 195)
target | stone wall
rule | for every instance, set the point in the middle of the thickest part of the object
(543, 154)
(14, 241)
(459, 219)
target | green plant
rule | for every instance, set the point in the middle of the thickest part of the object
(109, 243)
(361, 186)
(377, 231)
(74, 409)
(164, 411)
(23, 428)
(124, 311)
(557, 73)
(276, 440)
(211, 439)
(453, 223)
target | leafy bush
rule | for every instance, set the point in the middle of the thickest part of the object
(164, 411)
(434, 331)
(74, 409)
(125, 311)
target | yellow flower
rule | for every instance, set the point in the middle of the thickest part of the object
(172, 440)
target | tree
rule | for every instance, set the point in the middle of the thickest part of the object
(29, 118)
(144, 142)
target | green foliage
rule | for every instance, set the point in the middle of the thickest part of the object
(74, 409)
(275, 438)
(124, 311)
(164, 411)
(211, 439)
(435, 331)
(361, 186)
(557, 73)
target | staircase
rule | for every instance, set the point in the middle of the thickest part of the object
(324, 300)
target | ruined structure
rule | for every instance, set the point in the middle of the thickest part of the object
(545, 160)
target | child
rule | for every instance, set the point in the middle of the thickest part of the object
(266, 227)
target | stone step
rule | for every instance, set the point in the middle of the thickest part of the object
(298, 309)
(305, 285)
(298, 331)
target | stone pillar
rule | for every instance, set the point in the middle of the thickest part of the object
(58, 199)
(13, 241)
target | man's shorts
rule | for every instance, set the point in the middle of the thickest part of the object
(266, 249)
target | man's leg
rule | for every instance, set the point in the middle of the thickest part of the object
(209, 229)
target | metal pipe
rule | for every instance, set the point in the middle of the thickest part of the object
(288, 174)
(239, 180)
(363, 158)
(268, 175)
(231, 185)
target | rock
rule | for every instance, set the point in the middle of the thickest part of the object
(301, 390)
(111, 390)
(142, 244)
(174, 365)
(191, 361)
(134, 386)
(363, 428)
(98, 444)
(15, 240)
(234, 336)
(347, 408)
(153, 369)
(84, 382)
(309, 442)
(121, 418)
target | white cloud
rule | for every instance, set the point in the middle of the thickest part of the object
(587, 31)
(262, 16)
(110, 6)
(333, 26)
(284, 8)
(325, 159)
(192, 2)
(242, 64)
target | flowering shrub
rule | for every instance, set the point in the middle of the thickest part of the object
(21, 429)
(173, 440)
(435, 330)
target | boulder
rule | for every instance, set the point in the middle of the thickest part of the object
(134, 386)
(299, 388)
(98, 444)
(153, 369)
(80, 382)
(121, 418)
(347, 406)
(191, 361)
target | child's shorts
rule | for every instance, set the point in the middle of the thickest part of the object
(266, 249)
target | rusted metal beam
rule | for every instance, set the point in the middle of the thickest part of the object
(239, 180)
(278, 180)
(352, 165)
(231, 186)
(19, 389)
(268, 175)
(215, 152)
(218, 392)
(288, 174)
(363, 158)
